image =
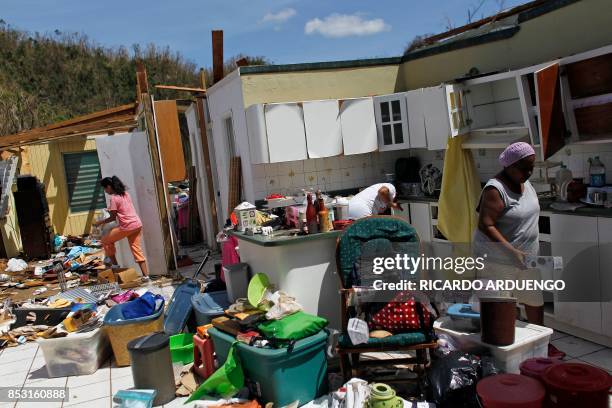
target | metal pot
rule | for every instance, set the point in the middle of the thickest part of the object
(598, 197)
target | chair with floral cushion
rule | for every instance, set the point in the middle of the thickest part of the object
(409, 321)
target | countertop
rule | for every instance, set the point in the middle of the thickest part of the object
(271, 241)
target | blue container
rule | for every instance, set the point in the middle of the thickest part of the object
(279, 375)
(463, 318)
(207, 306)
(179, 308)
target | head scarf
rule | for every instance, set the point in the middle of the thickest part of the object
(514, 153)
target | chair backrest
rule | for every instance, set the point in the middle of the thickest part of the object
(386, 234)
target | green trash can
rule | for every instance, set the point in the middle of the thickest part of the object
(278, 375)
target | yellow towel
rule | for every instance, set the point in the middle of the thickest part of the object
(457, 217)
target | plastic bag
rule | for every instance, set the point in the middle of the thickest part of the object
(282, 305)
(16, 265)
(225, 382)
(452, 379)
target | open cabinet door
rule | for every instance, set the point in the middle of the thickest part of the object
(552, 122)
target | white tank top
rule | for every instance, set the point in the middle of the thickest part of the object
(518, 223)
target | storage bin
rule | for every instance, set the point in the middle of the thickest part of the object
(75, 354)
(43, 315)
(120, 331)
(530, 341)
(278, 375)
(236, 280)
(464, 318)
(209, 305)
(181, 348)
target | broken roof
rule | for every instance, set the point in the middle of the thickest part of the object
(117, 119)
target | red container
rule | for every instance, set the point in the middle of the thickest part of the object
(203, 357)
(510, 391)
(342, 224)
(572, 385)
(535, 367)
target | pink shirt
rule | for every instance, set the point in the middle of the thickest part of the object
(126, 214)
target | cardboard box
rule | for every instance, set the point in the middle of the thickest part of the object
(119, 275)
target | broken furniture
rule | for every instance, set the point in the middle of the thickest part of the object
(370, 237)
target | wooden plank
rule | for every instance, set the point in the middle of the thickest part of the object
(206, 155)
(181, 88)
(170, 143)
(217, 49)
(552, 122)
(159, 182)
(235, 184)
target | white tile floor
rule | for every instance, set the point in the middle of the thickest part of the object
(24, 366)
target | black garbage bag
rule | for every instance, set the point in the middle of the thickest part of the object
(451, 380)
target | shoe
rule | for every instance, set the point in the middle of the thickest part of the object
(554, 352)
(145, 279)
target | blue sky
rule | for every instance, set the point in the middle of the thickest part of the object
(285, 31)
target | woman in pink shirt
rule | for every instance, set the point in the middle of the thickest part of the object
(122, 210)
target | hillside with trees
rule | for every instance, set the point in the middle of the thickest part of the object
(45, 78)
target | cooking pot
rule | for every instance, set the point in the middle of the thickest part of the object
(571, 385)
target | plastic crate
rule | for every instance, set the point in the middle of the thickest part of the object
(279, 375)
(530, 341)
(75, 354)
(181, 348)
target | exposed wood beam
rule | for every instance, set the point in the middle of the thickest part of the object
(181, 88)
(217, 49)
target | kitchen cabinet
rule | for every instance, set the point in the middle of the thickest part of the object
(323, 131)
(575, 239)
(420, 219)
(551, 120)
(391, 122)
(437, 126)
(358, 123)
(457, 110)
(256, 131)
(416, 119)
(285, 130)
(604, 227)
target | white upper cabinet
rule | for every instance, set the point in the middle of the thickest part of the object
(437, 126)
(323, 131)
(286, 135)
(416, 119)
(358, 126)
(392, 122)
(457, 110)
(256, 130)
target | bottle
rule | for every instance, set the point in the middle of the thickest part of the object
(324, 222)
(311, 216)
(597, 172)
(304, 227)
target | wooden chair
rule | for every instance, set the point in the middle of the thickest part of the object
(348, 250)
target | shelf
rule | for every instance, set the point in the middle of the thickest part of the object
(496, 141)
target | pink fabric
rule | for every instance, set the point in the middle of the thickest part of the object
(515, 152)
(126, 214)
(183, 217)
(229, 255)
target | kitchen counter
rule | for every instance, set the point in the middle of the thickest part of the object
(588, 211)
(280, 240)
(417, 199)
(302, 266)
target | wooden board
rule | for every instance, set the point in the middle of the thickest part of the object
(170, 143)
(552, 122)
(235, 184)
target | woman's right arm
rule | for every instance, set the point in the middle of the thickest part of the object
(491, 208)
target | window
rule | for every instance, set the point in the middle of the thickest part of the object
(391, 121)
(83, 179)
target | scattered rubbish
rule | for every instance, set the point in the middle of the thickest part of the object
(16, 265)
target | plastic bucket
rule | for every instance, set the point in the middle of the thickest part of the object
(510, 391)
(535, 367)
(181, 348)
(497, 320)
(571, 385)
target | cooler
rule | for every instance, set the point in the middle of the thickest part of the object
(209, 305)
